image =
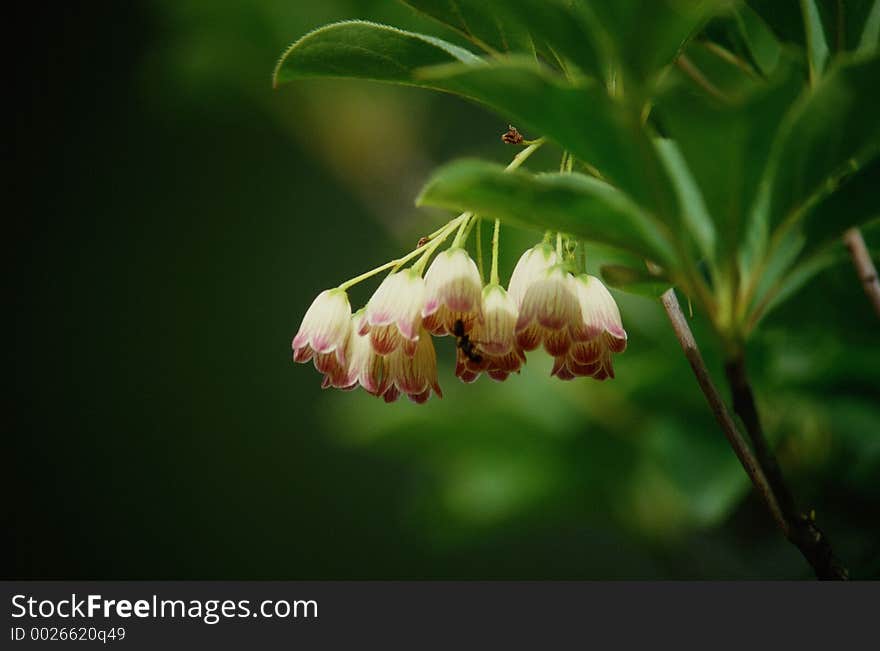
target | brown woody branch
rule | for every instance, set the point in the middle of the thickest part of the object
(767, 479)
(803, 532)
(864, 265)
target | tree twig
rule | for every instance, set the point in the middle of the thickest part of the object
(761, 465)
(864, 265)
(719, 409)
(803, 531)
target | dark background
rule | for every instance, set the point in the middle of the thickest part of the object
(174, 218)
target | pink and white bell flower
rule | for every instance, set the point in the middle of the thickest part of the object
(596, 338)
(365, 367)
(529, 267)
(548, 312)
(599, 313)
(393, 316)
(414, 375)
(324, 331)
(453, 293)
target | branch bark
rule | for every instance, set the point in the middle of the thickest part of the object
(861, 258)
(803, 532)
(760, 466)
(719, 409)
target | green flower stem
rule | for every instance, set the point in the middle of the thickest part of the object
(493, 277)
(429, 249)
(463, 227)
(478, 244)
(523, 156)
(437, 238)
(440, 235)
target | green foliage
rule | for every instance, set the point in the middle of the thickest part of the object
(767, 142)
(633, 280)
(359, 49)
(572, 203)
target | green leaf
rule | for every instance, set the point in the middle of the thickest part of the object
(762, 45)
(794, 280)
(364, 50)
(484, 23)
(572, 203)
(633, 280)
(816, 18)
(854, 202)
(833, 25)
(579, 117)
(692, 208)
(727, 145)
(783, 17)
(821, 136)
(553, 28)
(598, 36)
(643, 37)
(845, 25)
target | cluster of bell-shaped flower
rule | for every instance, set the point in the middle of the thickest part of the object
(387, 349)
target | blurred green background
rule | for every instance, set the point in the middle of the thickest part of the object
(178, 217)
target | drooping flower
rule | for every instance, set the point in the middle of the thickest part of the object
(529, 267)
(453, 292)
(324, 331)
(365, 367)
(496, 351)
(393, 315)
(413, 375)
(548, 312)
(599, 334)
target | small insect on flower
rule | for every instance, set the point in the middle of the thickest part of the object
(465, 344)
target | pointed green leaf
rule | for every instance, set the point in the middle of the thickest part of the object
(794, 280)
(553, 28)
(692, 207)
(727, 144)
(579, 116)
(572, 203)
(597, 36)
(643, 37)
(838, 25)
(854, 202)
(821, 136)
(763, 47)
(364, 50)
